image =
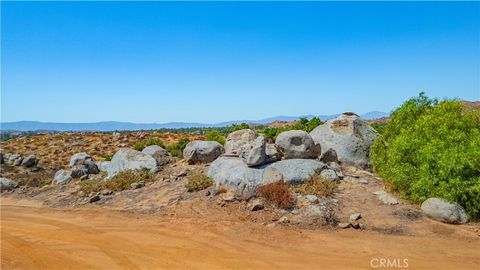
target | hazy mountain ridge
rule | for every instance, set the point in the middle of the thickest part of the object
(114, 125)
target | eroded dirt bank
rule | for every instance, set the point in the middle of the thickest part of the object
(36, 237)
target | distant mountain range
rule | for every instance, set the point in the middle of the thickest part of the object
(112, 125)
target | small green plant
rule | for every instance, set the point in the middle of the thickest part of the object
(119, 182)
(108, 157)
(214, 135)
(139, 146)
(277, 194)
(198, 181)
(236, 127)
(176, 149)
(316, 185)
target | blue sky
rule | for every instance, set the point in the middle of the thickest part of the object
(217, 61)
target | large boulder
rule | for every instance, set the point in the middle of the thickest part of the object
(297, 170)
(350, 137)
(273, 154)
(29, 161)
(81, 164)
(158, 153)
(237, 141)
(62, 177)
(202, 151)
(7, 184)
(79, 159)
(297, 144)
(103, 166)
(130, 159)
(233, 171)
(257, 154)
(444, 211)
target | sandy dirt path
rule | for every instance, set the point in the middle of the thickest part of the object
(35, 237)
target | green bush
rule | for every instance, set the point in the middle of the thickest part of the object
(302, 124)
(176, 149)
(108, 157)
(214, 135)
(139, 146)
(198, 181)
(432, 149)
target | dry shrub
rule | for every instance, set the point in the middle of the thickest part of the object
(119, 182)
(198, 181)
(277, 194)
(317, 186)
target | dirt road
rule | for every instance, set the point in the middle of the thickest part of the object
(35, 237)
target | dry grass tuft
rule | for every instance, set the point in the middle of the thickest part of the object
(198, 181)
(119, 182)
(277, 194)
(317, 186)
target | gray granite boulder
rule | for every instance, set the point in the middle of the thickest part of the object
(350, 137)
(62, 177)
(158, 153)
(257, 154)
(202, 151)
(273, 154)
(298, 170)
(81, 164)
(103, 166)
(233, 171)
(29, 161)
(297, 144)
(79, 159)
(7, 184)
(444, 211)
(237, 141)
(130, 159)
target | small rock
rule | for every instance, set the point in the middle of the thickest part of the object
(363, 181)
(343, 225)
(283, 219)
(137, 185)
(7, 184)
(106, 192)
(29, 161)
(94, 198)
(84, 177)
(355, 225)
(62, 177)
(207, 193)
(329, 174)
(385, 198)
(257, 204)
(355, 217)
(18, 161)
(229, 196)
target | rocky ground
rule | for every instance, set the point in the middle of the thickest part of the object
(56, 222)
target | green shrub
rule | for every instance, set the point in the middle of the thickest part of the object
(238, 127)
(302, 124)
(214, 135)
(108, 157)
(139, 146)
(176, 149)
(379, 126)
(198, 181)
(432, 149)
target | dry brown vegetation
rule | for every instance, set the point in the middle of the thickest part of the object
(317, 186)
(122, 181)
(55, 150)
(277, 194)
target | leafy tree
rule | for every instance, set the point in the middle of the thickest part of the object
(214, 135)
(432, 149)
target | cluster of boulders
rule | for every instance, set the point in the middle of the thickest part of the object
(81, 165)
(17, 160)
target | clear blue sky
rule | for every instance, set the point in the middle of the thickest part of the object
(211, 62)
